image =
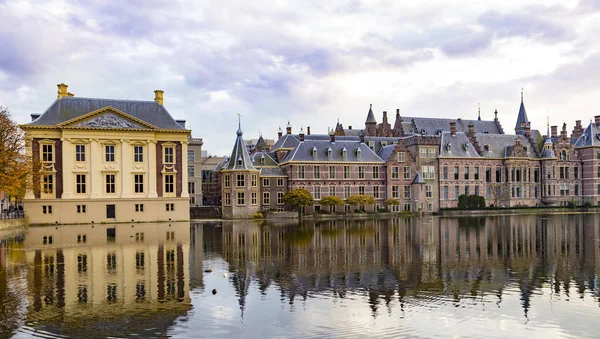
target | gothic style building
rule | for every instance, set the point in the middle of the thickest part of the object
(106, 160)
(428, 163)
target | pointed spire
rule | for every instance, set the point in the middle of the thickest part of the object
(496, 114)
(522, 120)
(240, 159)
(521, 94)
(479, 111)
(370, 115)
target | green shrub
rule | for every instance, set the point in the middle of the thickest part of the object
(382, 210)
(358, 211)
(258, 215)
(322, 212)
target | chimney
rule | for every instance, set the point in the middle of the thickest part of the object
(158, 96)
(563, 132)
(307, 130)
(279, 133)
(397, 111)
(62, 91)
(554, 131)
(350, 127)
(288, 129)
(597, 119)
(471, 130)
(453, 127)
(385, 117)
(34, 116)
(301, 134)
(577, 130)
(332, 136)
(362, 137)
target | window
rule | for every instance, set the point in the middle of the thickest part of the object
(81, 263)
(191, 171)
(445, 172)
(476, 190)
(240, 180)
(428, 172)
(192, 187)
(227, 199)
(467, 190)
(406, 192)
(476, 173)
(346, 192)
(406, 172)
(110, 183)
(395, 191)
(80, 183)
(138, 183)
(395, 172)
(254, 198)
(428, 191)
(361, 190)
(456, 192)
(301, 172)
(47, 209)
(240, 198)
(47, 154)
(376, 192)
(169, 183)
(445, 192)
(561, 172)
(423, 152)
(375, 172)
(361, 172)
(498, 174)
(81, 238)
(80, 153)
(227, 181)
(576, 189)
(109, 153)
(191, 155)
(317, 193)
(401, 157)
(317, 172)
(81, 208)
(254, 180)
(279, 198)
(139, 207)
(431, 152)
(279, 182)
(331, 172)
(266, 198)
(266, 182)
(466, 172)
(455, 172)
(406, 207)
(168, 155)
(138, 153)
(346, 172)
(576, 172)
(488, 174)
(48, 183)
(170, 207)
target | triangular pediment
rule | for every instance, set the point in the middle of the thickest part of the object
(107, 118)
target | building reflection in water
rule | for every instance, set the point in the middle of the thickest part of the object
(108, 279)
(407, 261)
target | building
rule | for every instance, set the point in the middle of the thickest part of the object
(211, 194)
(107, 160)
(260, 143)
(427, 163)
(195, 177)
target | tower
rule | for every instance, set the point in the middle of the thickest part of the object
(522, 121)
(371, 123)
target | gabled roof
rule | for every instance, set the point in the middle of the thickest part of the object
(272, 172)
(433, 126)
(522, 117)
(386, 151)
(500, 145)
(590, 136)
(287, 141)
(418, 179)
(457, 145)
(68, 108)
(257, 161)
(304, 152)
(261, 144)
(240, 159)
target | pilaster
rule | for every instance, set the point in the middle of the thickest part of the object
(126, 159)
(67, 154)
(96, 155)
(184, 170)
(152, 173)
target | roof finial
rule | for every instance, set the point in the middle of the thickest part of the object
(239, 131)
(370, 106)
(478, 111)
(521, 94)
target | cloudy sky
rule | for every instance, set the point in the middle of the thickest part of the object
(309, 62)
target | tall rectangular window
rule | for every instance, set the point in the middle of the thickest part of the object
(361, 172)
(266, 198)
(346, 192)
(401, 157)
(266, 182)
(432, 152)
(488, 174)
(227, 180)
(476, 173)
(395, 172)
(254, 180)
(361, 190)
(109, 153)
(279, 198)
(406, 192)
(138, 183)
(376, 192)
(254, 198)
(455, 172)
(445, 173)
(240, 182)
(498, 174)
(80, 153)
(227, 199)
(375, 172)
(191, 187)
(169, 183)
(445, 192)
(301, 172)
(346, 172)
(110, 183)
(138, 153)
(240, 198)
(80, 183)
(169, 155)
(406, 173)
(428, 172)
(466, 173)
(191, 155)
(456, 192)
(332, 191)
(395, 191)
(576, 172)
(279, 182)
(317, 194)
(191, 171)
(428, 191)
(423, 152)
(48, 183)
(317, 172)
(47, 154)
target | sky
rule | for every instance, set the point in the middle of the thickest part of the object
(307, 62)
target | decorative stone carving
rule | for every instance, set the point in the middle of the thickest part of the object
(109, 120)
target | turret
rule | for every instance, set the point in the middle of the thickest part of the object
(371, 123)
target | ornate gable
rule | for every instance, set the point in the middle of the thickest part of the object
(107, 118)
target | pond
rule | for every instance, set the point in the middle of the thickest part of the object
(505, 276)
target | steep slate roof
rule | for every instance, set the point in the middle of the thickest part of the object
(500, 145)
(370, 115)
(304, 152)
(272, 172)
(287, 141)
(431, 126)
(68, 108)
(269, 160)
(240, 159)
(418, 179)
(386, 151)
(261, 144)
(454, 146)
(522, 117)
(590, 136)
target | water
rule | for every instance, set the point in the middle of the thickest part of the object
(521, 276)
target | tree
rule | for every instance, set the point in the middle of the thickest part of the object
(361, 200)
(299, 198)
(16, 170)
(392, 202)
(330, 201)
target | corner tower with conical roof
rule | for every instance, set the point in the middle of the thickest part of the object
(522, 121)
(239, 182)
(371, 123)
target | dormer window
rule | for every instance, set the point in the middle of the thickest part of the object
(262, 159)
(449, 147)
(486, 147)
(584, 137)
(240, 161)
(438, 132)
(329, 152)
(314, 152)
(466, 147)
(486, 132)
(344, 153)
(358, 153)
(598, 136)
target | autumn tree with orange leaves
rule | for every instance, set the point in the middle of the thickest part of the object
(16, 169)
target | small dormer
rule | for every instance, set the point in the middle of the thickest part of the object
(466, 146)
(262, 159)
(329, 152)
(314, 152)
(240, 161)
(487, 147)
(358, 153)
(344, 153)
(449, 147)
(598, 136)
